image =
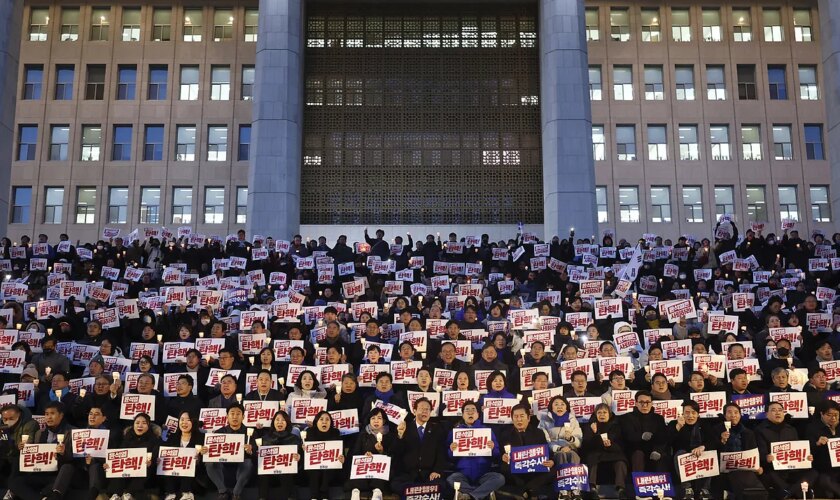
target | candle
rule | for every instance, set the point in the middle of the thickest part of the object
(82, 392)
(457, 486)
(303, 435)
(531, 400)
(201, 335)
(378, 437)
(604, 437)
(160, 338)
(438, 388)
(36, 382)
(49, 331)
(811, 410)
(24, 439)
(60, 438)
(149, 456)
(281, 381)
(48, 370)
(249, 431)
(58, 394)
(507, 449)
(238, 397)
(728, 425)
(258, 441)
(519, 397)
(198, 449)
(251, 359)
(116, 376)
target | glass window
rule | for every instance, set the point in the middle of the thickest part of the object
(599, 146)
(689, 147)
(222, 25)
(153, 144)
(252, 17)
(808, 90)
(59, 142)
(33, 76)
(69, 24)
(777, 81)
(601, 202)
(100, 23)
(193, 25)
(654, 86)
(657, 143)
(53, 205)
(693, 203)
(85, 205)
(746, 82)
(595, 83)
(724, 201)
(788, 204)
(189, 83)
(820, 204)
(150, 205)
(619, 24)
(131, 24)
(91, 142)
(772, 19)
(719, 137)
(244, 142)
(751, 140)
(660, 204)
(685, 83)
(220, 83)
(802, 31)
(593, 25)
(756, 204)
(95, 86)
(64, 82)
(651, 25)
(39, 21)
(241, 204)
(214, 205)
(182, 205)
(162, 24)
(27, 142)
(185, 150)
(623, 83)
(217, 143)
(782, 145)
(21, 202)
(628, 204)
(741, 25)
(158, 77)
(118, 205)
(625, 138)
(126, 82)
(814, 149)
(122, 143)
(715, 83)
(711, 25)
(681, 25)
(248, 75)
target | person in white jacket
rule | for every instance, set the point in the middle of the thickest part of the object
(563, 430)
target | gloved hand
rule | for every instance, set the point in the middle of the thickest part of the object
(655, 455)
(647, 436)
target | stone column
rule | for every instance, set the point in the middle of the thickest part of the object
(11, 19)
(274, 177)
(568, 168)
(830, 41)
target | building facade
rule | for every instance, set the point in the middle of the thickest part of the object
(420, 116)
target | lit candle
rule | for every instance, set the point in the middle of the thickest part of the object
(58, 394)
(60, 438)
(116, 376)
(258, 441)
(378, 437)
(238, 397)
(249, 431)
(728, 425)
(82, 392)
(303, 435)
(198, 449)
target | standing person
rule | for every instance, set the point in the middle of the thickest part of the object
(242, 470)
(278, 434)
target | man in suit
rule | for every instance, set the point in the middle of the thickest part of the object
(420, 443)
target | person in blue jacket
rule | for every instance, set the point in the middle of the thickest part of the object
(475, 476)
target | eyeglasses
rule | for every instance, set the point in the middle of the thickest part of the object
(643, 402)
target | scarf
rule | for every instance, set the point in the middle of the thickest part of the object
(384, 396)
(559, 420)
(383, 430)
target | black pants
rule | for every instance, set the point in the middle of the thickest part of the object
(321, 480)
(281, 485)
(36, 485)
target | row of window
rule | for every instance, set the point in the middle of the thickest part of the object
(648, 23)
(661, 209)
(150, 208)
(684, 82)
(131, 23)
(718, 139)
(154, 143)
(126, 82)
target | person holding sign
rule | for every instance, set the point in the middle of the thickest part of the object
(375, 438)
(563, 429)
(819, 432)
(384, 391)
(320, 481)
(279, 434)
(687, 434)
(603, 444)
(15, 426)
(242, 470)
(645, 435)
(474, 473)
(420, 444)
(736, 437)
(140, 435)
(188, 435)
(264, 391)
(525, 432)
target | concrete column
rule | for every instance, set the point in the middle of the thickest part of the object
(274, 177)
(568, 168)
(11, 19)
(830, 41)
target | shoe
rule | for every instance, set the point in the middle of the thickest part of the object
(223, 496)
(705, 495)
(689, 494)
(356, 495)
(577, 495)
(127, 496)
(170, 496)
(115, 497)
(9, 495)
(377, 494)
(464, 496)
(620, 491)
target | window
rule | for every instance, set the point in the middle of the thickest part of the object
(741, 25)
(593, 25)
(719, 138)
(95, 87)
(715, 83)
(782, 146)
(820, 206)
(660, 204)
(100, 23)
(21, 201)
(625, 138)
(756, 205)
(746, 82)
(711, 25)
(599, 146)
(693, 203)
(788, 205)
(808, 90)
(681, 25)
(814, 149)
(222, 25)
(657, 145)
(131, 25)
(689, 148)
(69, 24)
(623, 83)
(248, 75)
(39, 21)
(150, 205)
(118, 205)
(685, 83)
(185, 149)
(601, 202)
(122, 143)
(724, 201)
(158, 76)
(59, 142)
(241, 204)
(214, 205)
(220, 83)
(85, 205)
(126, 82)
(91, 142)
(244, 142)
(802, 25)
(252, 17)
(619, 24)
(777, 81)
(772, 19)
(27, 142)
(628, 203)
(182, 205)
(33, 76)
(53, 205)
(217, 143)
(595, 83)
(189, 83)
(751, 141)
(193, 25)
(153, 144)
(650, 25)
(654, 86)
(64, 82)
(162, 24)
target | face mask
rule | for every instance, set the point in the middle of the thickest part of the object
(783, 351)
(99, 247)
(47, 352)
(34, 329)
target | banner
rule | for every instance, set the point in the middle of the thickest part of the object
(454, 400)
(321, 455)
(472, 442)
(498, 410)
(371, 467)
(794, 403)
(346, 421)
(572, 477)
(302, 411)
(711, 403)
(125, 462)
(176, 462)
(274, 460)
(224, 448)
(259, 412)
(133, 404)
(423, 491)
(525, 459)
(690, 467)
(834, 451)
(649, 484)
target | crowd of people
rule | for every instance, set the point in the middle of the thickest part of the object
(463, 368)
